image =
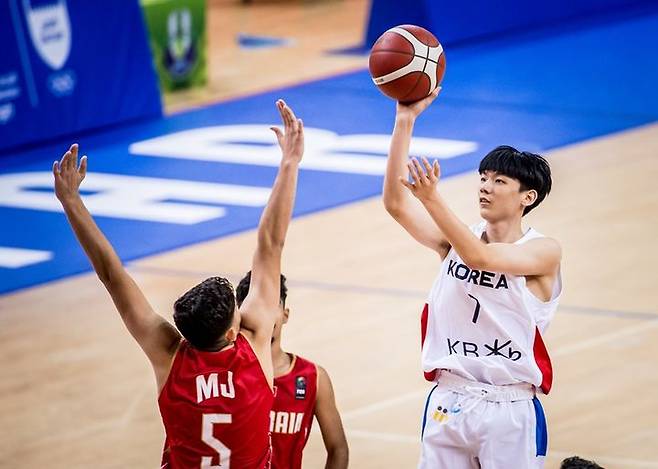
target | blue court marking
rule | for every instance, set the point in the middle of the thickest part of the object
(539, 94)
(249, 41)
(541, 431)
(381, 291)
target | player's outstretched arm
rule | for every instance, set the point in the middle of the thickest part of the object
(157, 337)
(260, 307)
(537, 257)
(398, 202)
(330, 423)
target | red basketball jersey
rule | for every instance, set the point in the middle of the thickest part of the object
(215, 407)
(292, 414)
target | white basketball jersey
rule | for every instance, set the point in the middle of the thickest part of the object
(487, 326)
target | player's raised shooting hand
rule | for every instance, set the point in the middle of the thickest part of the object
(424, 179)
(413, 110)
(291, 140)
(68, 174)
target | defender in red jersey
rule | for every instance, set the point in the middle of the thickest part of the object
(302, 390)
(216, 381)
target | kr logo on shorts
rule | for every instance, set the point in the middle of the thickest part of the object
(442, 414)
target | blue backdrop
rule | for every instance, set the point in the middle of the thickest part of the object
(540, 93)
(453, 22)
(72, 65)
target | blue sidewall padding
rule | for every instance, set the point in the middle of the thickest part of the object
(94, 70)
(454, 21)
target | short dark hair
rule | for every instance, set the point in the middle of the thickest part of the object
(574, 462)
(243, 289)
(205, 312)
(530, 169)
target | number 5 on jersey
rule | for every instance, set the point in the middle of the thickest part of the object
(207, 436)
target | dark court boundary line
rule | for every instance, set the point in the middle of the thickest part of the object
(392, 292)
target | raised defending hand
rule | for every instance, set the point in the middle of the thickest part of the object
(424, 179)
(291, 140)
(413, 110)
(68, 175)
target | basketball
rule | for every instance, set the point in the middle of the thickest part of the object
(407, 63)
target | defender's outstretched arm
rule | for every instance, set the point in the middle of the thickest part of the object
(157, 337)
(261, 304)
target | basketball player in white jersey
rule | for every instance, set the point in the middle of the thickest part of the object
(482, 325)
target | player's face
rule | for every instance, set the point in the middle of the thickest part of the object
(281, 319)
(237, 319)
(234, 329)
(499, 196)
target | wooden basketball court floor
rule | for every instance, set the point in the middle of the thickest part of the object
(76, 391)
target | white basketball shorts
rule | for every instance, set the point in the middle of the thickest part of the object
(469, 425)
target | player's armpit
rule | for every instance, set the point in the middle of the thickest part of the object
(536, 257)
(330, 423)
(259, 309)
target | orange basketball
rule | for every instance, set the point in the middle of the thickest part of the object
(407, 63)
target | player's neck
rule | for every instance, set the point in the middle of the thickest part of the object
(504, 231)
(281, 360)
(219, 346)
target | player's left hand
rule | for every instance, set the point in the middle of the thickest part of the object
(68, 175)
(424, 179)
(291, 140)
